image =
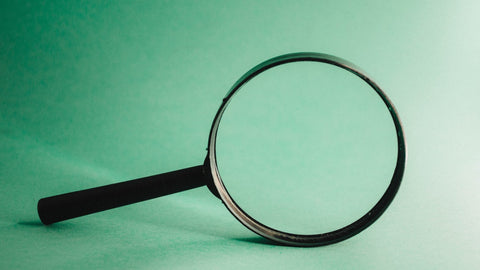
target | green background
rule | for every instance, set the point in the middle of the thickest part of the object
(93, 93)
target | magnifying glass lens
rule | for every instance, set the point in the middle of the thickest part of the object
(306, 148)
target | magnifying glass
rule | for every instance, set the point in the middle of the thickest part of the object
(305, 150)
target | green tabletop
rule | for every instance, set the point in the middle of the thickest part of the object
(95, 93)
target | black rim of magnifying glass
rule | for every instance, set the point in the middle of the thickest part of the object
(315, 239)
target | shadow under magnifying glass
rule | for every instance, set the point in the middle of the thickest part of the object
(31, 223)
(258, 240)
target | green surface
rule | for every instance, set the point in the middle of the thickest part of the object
(92, 94)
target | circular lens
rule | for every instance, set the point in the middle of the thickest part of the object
(304, 150)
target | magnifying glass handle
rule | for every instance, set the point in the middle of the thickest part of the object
(79, 203)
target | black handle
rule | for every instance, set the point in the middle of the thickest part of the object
(79, 203)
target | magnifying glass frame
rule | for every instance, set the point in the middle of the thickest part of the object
(300, 239)
(84, 202)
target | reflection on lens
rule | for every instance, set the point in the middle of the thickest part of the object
(306, 148)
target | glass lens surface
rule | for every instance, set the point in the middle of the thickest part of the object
(306, 148)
